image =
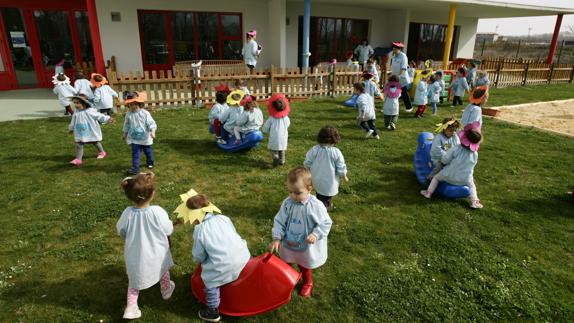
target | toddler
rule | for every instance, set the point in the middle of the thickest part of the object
(390, 110)
(86, 128)
(327, 165)
(371, 87)
(471, 74)
(421, 96)
(473, 111)
(372, 68)
(459, 86)
(145, 229)
(240, 85)
(103, 95)
(482, 79)
(83, 86)
(459, 163)
(434, 91)
(445, 139)
(249, 120)
(139, 130)
(277, 126)
(366, 108)
(230, 116)
(438, 77)
(218, 109)
(301, 227)
(64, 90)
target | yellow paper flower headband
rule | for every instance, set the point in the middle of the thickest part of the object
(442, 126)
(189, 215)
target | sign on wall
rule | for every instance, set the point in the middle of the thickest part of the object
(18, 39)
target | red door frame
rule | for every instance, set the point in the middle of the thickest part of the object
(8, 76)
(43, 75)
(168, 13)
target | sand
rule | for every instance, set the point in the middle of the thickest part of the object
(554, 116)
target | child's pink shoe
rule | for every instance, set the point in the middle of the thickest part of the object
(76, 162)
(102, 155)
(426, 194)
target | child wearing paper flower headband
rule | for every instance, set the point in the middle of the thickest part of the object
(445, 139)
(139, 130)
(217, 246)
(145, 229)
(390, 109)
(277, 126)
(230, 116)
(459, 164)
(473, 111)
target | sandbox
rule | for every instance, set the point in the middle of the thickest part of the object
(554, 116)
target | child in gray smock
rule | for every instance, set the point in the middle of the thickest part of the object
(217, 111)
(421, 96)
(277, 126)
(219, 249)
(85, 125)
(473, 111)
(459, 163)
(366, 106)
(391, 105)
(327, 165)
(301, 227)
(371, 87)
(459, 86)
(230, 116)
(434, 89)
(145, 229)
(445, 139)
(482, 79)
(249, 120)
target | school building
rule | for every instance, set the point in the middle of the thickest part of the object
(37, 35)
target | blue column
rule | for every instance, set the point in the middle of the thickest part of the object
(306, 26)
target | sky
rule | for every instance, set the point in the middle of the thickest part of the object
(519, 26)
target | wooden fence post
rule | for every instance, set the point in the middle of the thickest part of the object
(273, 82)
(525, 73)
(572, 74)
(551, 72)
(497, 77)
(332, 81)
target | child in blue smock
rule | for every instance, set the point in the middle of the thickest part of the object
(64, 91)
(434, 90)
(473, 111)
(372, 68)
(251, 119)
(327, 165)
(438, 76)
(139, 130)
(482, 79)
(459, 86)
(85, 125)
(145, 229)
(371, 87)
(390, 110)
(421, 96)
(301, 227)
(471, 74)
(459, 163)
(277, 126)
(366, 106)
(221, 252)
(230, 116)
(445, 139)
(218, 109)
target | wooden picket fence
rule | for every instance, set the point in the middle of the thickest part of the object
(167, 89)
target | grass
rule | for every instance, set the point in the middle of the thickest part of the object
(393, 256)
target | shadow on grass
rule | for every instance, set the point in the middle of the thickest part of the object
(564, 201)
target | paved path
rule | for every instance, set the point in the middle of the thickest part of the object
(29, 104)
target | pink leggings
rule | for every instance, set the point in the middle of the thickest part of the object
(133, 293)
(437, 179)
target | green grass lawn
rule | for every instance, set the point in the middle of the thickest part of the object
(393, 256)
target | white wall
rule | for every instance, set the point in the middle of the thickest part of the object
(466, 35)
(276, 50)
(121, 39)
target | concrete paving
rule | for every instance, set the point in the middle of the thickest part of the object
(29, 104)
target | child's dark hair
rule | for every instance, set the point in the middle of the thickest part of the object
(455, 124)
(300, 173)
(473, 135)
(438, 73)
(278, 105)
(462, 71)
(84, 103)
(359, 87)
(220, 97)
(370, 60)
(98, 78)
(328, 135)
(239, 82)
(249, 106)
(393, 78)
(478, 93)
(197, 202)
(139, 188)
(80, 75)
(236, 96)
(61, 77)
(432, 79)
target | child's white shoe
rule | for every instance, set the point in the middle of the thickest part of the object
(377, 137)
(476, 204)
(369, 133)
(426, 194)
(166, 294)
(132, 312)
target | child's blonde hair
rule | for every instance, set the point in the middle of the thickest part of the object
(140, 188)
(300, 173)
(239, 82)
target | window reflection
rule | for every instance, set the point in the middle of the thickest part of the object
(84, 36)
(155, 43)
(55, 38)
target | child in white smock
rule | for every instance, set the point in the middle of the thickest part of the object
(145, 229)
(218, 109)
(277, 126)
(301, 227)
(103, 94)
(85, 125)
(366, 108)
(230, 116)
(390, 109)
(473, 111)
(445, 139)
(459, 86)
(434, 90)
(249, 120)
(421, 96)
(64, 90)
(83, 86)
(139, 130)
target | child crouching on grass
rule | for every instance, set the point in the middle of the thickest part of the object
(85, 125)
(459, 163)
(301, 227)
(145, 229)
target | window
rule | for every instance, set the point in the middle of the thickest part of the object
(55, 38)
(332, 37)
(84, 36)
(426, 41)
(172, 36)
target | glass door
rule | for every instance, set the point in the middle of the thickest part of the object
(19, 45)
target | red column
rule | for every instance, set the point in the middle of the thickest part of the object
(554, 42)
(95, 33)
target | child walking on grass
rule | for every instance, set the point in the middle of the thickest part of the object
(85, 125)
(459, 163)
(390, 110)
(277, 126)
(459, 86)
(421, 96)
(366, 106)
(327, 165)
(301, 227)
(103, 94)
(64, 91)
(473, 111)
(139, 130)
(145, 229)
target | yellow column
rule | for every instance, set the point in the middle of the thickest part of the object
(449, 34)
